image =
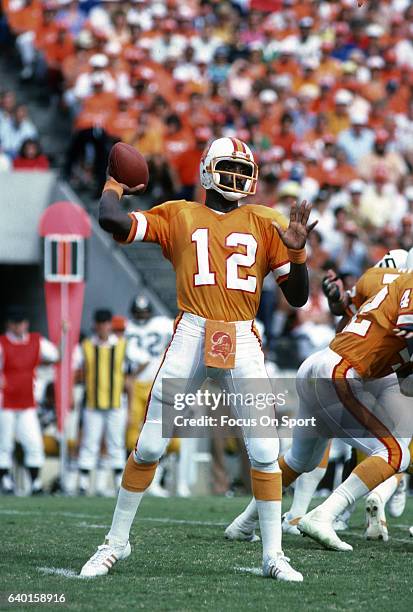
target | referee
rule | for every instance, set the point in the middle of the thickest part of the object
(103, 365)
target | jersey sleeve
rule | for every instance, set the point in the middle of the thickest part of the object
(278, 261)
(151, 226)
(404, 321)
(48, 351)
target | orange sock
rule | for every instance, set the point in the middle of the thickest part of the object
(373, 471)
(266, 486)
(288, 474)
(137, 476)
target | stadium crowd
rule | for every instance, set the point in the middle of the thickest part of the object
(322, 91)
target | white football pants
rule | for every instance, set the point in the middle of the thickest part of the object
(184, 359)
(23, 426)
(107, 424)
(365, 415)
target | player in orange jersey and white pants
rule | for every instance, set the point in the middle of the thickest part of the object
(348, 386)
(317, 391)
(221, 253)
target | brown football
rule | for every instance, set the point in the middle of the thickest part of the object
(127, 165)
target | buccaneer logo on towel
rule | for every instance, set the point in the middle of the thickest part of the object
(220, 344)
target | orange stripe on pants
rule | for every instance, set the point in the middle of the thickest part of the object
(366, 418)
(324, 461)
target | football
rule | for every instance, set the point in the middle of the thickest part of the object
(127, 165)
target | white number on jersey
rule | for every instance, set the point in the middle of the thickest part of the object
(362, 327)
(405, 301)
(204, 276)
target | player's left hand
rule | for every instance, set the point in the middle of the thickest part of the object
(296, 234)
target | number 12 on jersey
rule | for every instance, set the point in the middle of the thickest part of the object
(205, 276)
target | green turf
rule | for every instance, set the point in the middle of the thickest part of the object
(178, 566)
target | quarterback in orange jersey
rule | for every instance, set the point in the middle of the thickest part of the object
(221, 253)
(331, 385)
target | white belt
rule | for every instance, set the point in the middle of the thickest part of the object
(241, 326)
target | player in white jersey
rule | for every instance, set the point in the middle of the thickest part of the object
(150, 335)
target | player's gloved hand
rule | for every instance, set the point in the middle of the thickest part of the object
(333, 287)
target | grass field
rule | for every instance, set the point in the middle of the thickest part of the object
(180, 560)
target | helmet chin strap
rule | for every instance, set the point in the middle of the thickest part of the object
(231, 196)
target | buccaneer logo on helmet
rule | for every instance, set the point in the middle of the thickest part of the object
(228, 167)
(393, 259)
(221, 344)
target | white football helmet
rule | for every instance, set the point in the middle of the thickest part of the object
(393, 259)
(231, 184)
(409, 260)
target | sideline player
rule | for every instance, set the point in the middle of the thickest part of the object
(151, 335)
(221, 253)
(369, 284)
(21, 352)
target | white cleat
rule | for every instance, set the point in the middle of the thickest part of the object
(397, 501)
(289, 525)
(235, 531)
(279, 568)
(340, 524)
(376, 526)
(104, 559)
(155, 490)
(319, 527)
(411, 531)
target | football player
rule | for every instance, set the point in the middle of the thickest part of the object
(392, 491)
(221, 253)
(151, 335)
(243, 526)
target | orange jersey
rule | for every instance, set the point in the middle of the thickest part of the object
(369, 341)
(220, 259)
(369, 284)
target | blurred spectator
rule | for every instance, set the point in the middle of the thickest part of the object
(405, 239)
(5, 161)
(187, 164)
(357, 140)
(314, 321)
(15, 129)
(90, 131)
(352, 257)
(376, 206)
(382, 156)
(31, 157)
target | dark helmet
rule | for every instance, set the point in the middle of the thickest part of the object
(141, 307)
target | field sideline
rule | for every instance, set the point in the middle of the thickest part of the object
(180, 560)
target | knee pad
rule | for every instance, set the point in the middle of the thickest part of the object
(263, 453)
(150, 446)
(302, 464)
(405, 462)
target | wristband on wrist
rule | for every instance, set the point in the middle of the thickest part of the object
(297, 256)
(113, 185)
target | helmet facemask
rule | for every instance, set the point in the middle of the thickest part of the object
(235, 183)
